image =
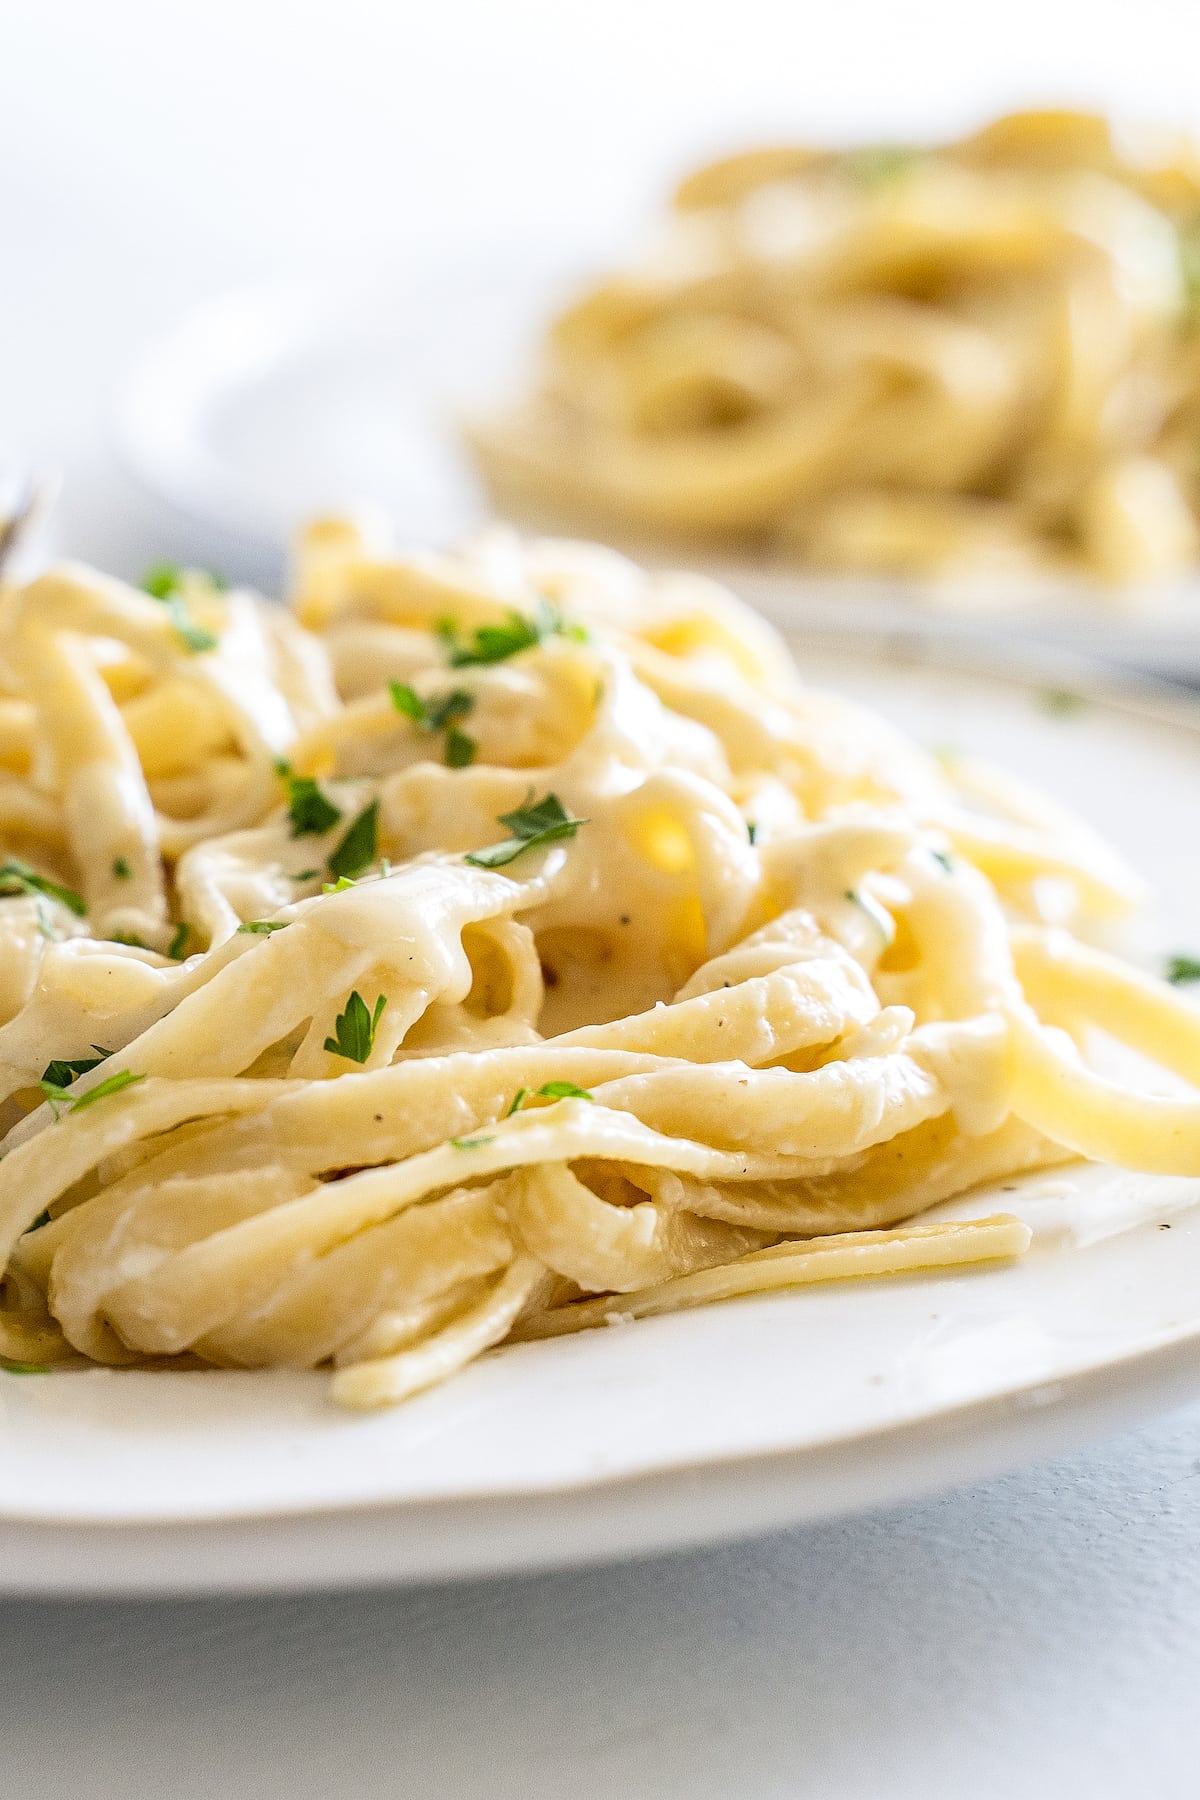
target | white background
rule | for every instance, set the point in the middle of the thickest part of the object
(1039, 1635)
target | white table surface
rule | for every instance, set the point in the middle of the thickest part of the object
(1035, 1635)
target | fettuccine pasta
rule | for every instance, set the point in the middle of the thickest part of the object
(492, 945)
(977, 358)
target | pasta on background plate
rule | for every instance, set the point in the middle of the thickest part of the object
(494, 944)
(976, 358)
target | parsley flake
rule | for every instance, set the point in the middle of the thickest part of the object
(263, 927)
(752, 830)
(16, 877)
(441, 714)
(23, 1368)
(59, 1096)
(62, 1071)
(178, 944)
(461, 1143)
(1182, 969)
(496, 643)
(309, 810)
(355, 1029)
(460, 749)
(121, 869)
(549, 1090)
(530, 825)
(356, 851)
(339, 886)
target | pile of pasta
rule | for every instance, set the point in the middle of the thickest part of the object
(976, 359)
(497, 944)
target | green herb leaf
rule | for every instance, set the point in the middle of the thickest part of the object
(356, 1029)
(62, 1071)
(460, 749)
(562, 1090)
(16, 877)
(310, 812)
(43, 1218)
(461, 1143)
(121, 869)
(165, 579)
(23, 1368)
(496, 643)
(946, 860)
(439, 715)
(356, 851)
(530, 826)
(406, 700)
(178, 944)
(1182, 969)
(519, 1099)
(264, 927)
(195, 638)
(752, 831)
(58, 1096)
(305, 875)
(339, 886)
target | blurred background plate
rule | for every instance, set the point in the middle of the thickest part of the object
(271, 403)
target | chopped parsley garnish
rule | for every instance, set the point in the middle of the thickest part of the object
(129, 940)
(178, 943)
(461, 1143)
(165, 579)
(43, 1218)
(1181, 969)
(549, 1090)
(356, 851)
(441, 714)
(308, 809)
(752, 830)
(1061, 703)
(305, 875)
(59, 1096)
(165, 583)
(264, 927)
(530, 825)
(496, 643)
(17, 877)
(339, 886)
(121, 868)
(460, 748)
(23, 1368)
(356, 1029)
(63, 1070)
(946, 860)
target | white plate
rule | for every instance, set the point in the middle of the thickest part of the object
(272, 403)
(706, 1424)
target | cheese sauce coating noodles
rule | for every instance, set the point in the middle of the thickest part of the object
(489, 945)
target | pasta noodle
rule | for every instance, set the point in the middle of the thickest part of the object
(977, 358)
(493, 945)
